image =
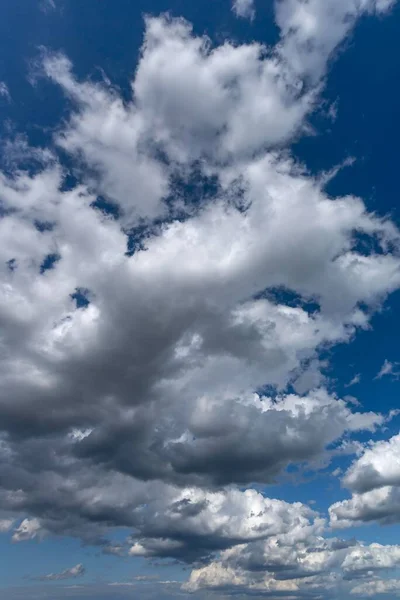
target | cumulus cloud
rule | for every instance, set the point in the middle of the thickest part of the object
(150, 333)
(300, 566)
(378, 466)
(374, 479)
(201, 522)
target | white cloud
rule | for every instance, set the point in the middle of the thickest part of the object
(244, 9)
(374, 556)
(311, 565)
(28, 529)
(374, 479)
(149, 390)
(220, 519)
(378, 466)
(107, 135)
(388, 368)
(381, 505)
(356, 379)
(312, 30)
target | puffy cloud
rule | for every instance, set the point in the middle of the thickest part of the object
(305, 566)
(28, 529)
(187, 523)
(378, 466)
(187, 310)
(107, 135)
(374, 479)
(380, 505)
(189, 101)
(373, 557)
(244, 8)
(135, 385)
(72, 573)
(203, 522)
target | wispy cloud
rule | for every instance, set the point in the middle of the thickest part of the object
(389, 368)
(244, 9)
(72, 573)
(356, 379)
(4, 91)
(47, 5)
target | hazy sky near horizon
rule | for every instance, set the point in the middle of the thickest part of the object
(199, 299)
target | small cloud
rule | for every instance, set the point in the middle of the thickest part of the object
(388, 368)
(356, 379)
(4, 91)
(5, 525)
(72, 573)
(352, 400)
(29, 529)
(47, 5)
(77, 435)
(145, 578)
(244, 9)
(327, 176)
(333, 111)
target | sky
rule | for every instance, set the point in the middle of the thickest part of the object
(199, 299)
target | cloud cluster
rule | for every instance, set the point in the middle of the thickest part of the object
(158, 300)
(298, 566)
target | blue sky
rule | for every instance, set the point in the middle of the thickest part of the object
(199, 299)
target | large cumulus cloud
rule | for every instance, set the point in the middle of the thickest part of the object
(146, 350)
